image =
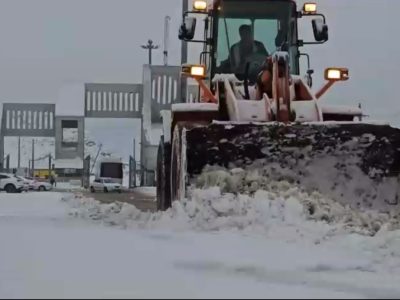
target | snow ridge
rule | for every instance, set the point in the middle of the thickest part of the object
(282, 208)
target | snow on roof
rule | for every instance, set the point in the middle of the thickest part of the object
(71, 100)
(74, 163)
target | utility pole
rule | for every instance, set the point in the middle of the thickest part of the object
(134, 149)
(184, 50)
(150, 47)
(166, 39)
(49, 165)
(132, 166)
(33, 157)
(95, 159)
(8, 163)
(19, 152)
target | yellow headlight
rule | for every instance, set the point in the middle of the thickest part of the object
(200, 5)
(197, 71)
(337, 74)
(310, 8)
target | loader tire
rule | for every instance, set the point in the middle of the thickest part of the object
(179, 159)
(177, 168)
(163, 175)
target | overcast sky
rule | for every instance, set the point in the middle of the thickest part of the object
(45, 43)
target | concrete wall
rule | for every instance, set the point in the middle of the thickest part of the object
(150, 163)
(66, 153)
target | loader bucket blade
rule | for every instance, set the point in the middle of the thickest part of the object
(356, 164)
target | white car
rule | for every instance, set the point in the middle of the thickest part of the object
(42, 186)
(10, 183)
(28, 183)
(35, 185)
(105, 185)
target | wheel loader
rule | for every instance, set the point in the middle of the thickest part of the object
(256, 111)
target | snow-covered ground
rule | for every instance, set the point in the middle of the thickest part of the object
(211, 245)
(150, 191)
(72, 185)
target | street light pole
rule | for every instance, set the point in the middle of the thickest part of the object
(150, 47)
(33, 157)
(166, 39)
(184, 46)
(19, 152)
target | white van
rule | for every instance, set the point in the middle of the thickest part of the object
(111, 168)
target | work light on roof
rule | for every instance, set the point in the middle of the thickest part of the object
(200, 5)
(310, 8)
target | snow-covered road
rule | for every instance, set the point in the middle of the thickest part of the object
(47, 251)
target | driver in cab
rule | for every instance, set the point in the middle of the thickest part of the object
(240, 51)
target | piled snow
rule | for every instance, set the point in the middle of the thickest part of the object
(288, 219)
(282, 208)
(319, 207)
(38, 261)
(47, 254)
(351, 166)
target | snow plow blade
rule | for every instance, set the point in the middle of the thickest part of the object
(355, 164)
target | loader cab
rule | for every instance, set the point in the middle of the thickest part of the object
(272, 26)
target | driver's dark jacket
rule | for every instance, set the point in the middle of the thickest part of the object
(238, 58)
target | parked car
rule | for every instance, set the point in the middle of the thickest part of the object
(27, 183)
(10, 183)
(41, 186)
(106, 185)
(35, 185)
